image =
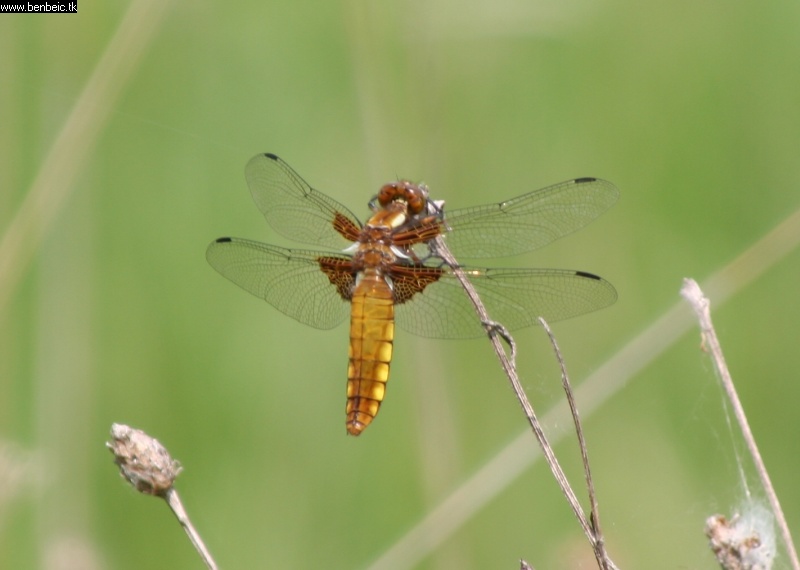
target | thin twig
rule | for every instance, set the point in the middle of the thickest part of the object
(495, 333)
(694, 295)
(599, 543)
(174, 502)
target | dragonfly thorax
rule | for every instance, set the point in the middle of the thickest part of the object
(390, 217)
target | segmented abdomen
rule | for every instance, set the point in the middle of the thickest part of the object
(371, 337)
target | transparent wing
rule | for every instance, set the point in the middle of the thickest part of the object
(513, 297)
(529, 221)
(288, 279)
(294, 209)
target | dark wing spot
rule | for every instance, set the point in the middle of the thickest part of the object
(585, 179)
(223, 240)
(587, 275)
(270, 155)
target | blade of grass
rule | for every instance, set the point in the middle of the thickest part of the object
(55, 180)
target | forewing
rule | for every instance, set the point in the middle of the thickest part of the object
(294, 209)
(513, 297)
(529, 221)
(290, 280)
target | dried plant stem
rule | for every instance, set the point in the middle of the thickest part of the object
(606, 380)
(174, 502)
(497, 332)
(598, 543)
(694, 295)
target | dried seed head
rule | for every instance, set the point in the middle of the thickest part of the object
(744, 542)
(142, 460)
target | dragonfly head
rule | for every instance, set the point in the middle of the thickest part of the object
(414, 195)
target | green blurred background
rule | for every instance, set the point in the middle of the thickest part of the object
(692, 109)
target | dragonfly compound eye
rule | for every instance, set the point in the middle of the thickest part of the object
(415, 198)
(388, 193)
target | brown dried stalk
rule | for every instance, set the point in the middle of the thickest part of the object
(498, 332)
(701, 305)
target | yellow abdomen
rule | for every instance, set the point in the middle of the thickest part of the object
(371, 337)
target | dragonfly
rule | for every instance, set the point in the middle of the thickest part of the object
(386, 271)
